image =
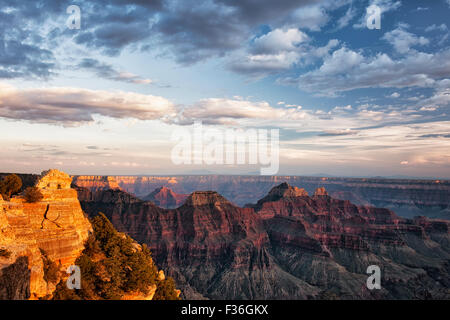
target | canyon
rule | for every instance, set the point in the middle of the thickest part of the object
(293, 242)
(407, 198)
(287, 245)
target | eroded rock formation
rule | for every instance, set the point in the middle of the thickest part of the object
(165, 198)
(56, 224)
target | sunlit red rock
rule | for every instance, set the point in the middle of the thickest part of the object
(165, 198)
(55, 224)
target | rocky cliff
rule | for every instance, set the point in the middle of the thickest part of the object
(287, 246)
(54, 231)
(56, 224)
(407, 198)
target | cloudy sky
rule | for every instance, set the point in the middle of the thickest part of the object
(105, 98)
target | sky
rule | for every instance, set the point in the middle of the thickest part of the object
(106, 98)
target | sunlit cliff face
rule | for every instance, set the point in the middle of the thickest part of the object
(56, 224)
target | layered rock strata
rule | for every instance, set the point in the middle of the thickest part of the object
(56, 225)
(407, 198)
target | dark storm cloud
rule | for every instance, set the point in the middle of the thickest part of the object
(195, 30)
(21, 53)
(149, 4)
(113, 37)
(436, 135)
(112, 26)
(37, 11)
(200, 29)
(24, 60)
(27, 36)
(107, 71)
(265, 11)
(189, 30)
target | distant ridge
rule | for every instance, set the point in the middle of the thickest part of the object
(408, 198)
(166, 198)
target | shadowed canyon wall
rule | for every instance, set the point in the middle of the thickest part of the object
(289, 245)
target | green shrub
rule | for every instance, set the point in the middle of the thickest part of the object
(51, 269)
(328, 295)
(10, 185)
(33, 194)
(165, 290)
(64, 293)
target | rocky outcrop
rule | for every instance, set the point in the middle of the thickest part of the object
(284, 190)
(165, 198)
(407, 198)
(287, 246)
(52, 230)
(56, 224)
(320, 192)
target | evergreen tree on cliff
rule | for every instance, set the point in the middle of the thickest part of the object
(114, 265)
(10, 185)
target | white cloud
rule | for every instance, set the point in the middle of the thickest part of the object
(131, 77)
(260, 65)
(347, 107)
(231, 111)
(341, 60)
(321, 52)
(73, 106)
(270, 53)
(276, 60)
(346, 70)
(346, 18)
(279, 40)
(311, 17)
(440, 98)
(433, 27)
(403, 40)
(387, 5)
